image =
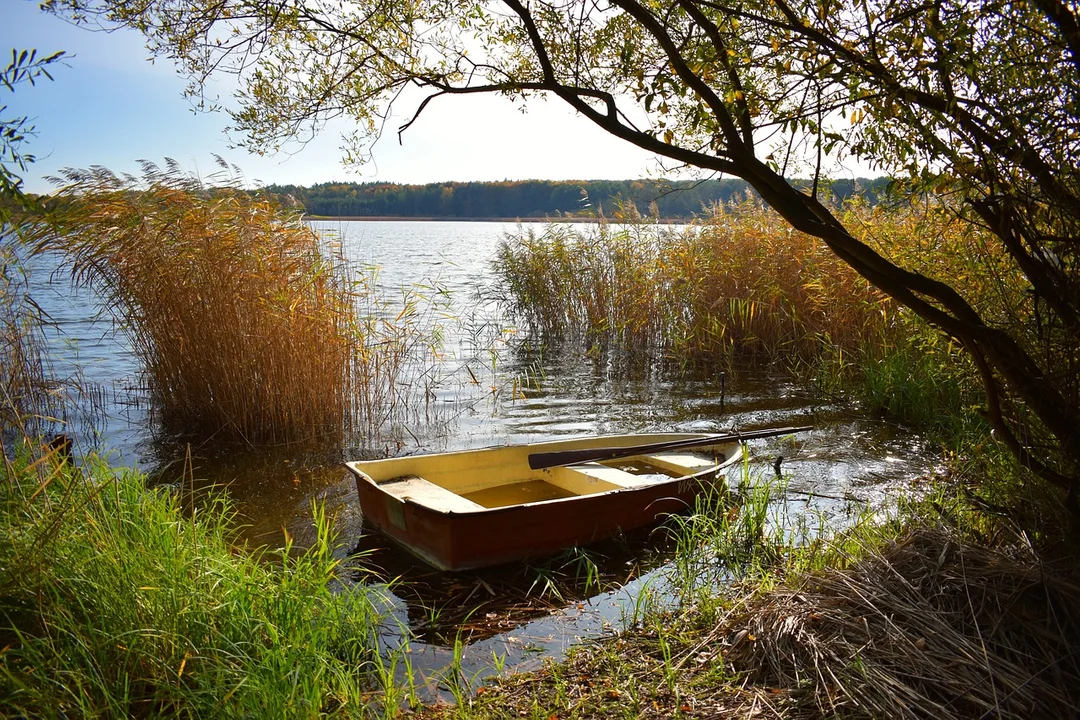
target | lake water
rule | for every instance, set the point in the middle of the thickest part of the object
(487, 389)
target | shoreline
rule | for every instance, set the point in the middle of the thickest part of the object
(438, 218)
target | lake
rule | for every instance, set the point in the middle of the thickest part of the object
(486, 387)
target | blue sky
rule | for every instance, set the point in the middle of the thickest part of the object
(109, 105)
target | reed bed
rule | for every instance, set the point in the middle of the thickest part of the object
(247, 324)
(740, 286)
(28, 403)
(743, 288)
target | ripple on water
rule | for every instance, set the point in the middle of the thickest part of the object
(482, 398)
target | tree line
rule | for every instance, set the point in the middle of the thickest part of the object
(539, 198)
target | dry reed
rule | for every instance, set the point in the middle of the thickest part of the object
(742, 284)
(28, 408)
(245, 326)
(931, 627)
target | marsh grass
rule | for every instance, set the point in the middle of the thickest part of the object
(740, 286)
(28, 403)
(247, 324)
(113, 602)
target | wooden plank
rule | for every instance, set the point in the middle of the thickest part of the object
(428, 494)
(611, 475)
(684, 463)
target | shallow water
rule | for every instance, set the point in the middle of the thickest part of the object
(487, 390)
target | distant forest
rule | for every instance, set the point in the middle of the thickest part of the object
(537, 198)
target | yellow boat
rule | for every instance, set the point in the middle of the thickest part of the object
(474, 508)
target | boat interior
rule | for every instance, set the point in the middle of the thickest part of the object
(447, 488)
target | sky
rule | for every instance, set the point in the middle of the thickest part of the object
(109, 105)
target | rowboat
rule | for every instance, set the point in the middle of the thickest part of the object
(471, 509)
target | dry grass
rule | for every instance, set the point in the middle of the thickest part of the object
(245, 325)
(27, 407)
(743, 284)
(929, 627)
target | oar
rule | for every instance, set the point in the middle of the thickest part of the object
(539, 461)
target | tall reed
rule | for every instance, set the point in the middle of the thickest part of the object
(28, 407)
(246, 324)
(741, 285)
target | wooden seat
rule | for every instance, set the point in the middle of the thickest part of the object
(684, 463)
(424, 492)
(615, 476)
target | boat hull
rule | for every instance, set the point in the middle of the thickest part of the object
(456, 534)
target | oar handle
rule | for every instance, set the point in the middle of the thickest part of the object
(539, 461)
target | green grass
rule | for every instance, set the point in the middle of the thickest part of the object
(116, 603)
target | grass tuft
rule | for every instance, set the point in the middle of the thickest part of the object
(114, 603)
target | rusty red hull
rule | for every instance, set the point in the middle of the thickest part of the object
(466, 541)
(480, 537)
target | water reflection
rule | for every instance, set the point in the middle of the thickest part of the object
(487, 390)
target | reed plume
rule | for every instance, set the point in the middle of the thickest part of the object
(245, 325)
(741, 284)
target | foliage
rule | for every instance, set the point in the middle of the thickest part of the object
(25, 67)
(114, 602)
(536, 198)
(246, 324)
(977, 100)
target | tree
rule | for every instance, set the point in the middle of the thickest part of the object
(25, 67)
(977, 101)
(27, 405)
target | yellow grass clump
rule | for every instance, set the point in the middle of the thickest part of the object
(26, 406)
(930, 627)
(742, 284)
(246, 328)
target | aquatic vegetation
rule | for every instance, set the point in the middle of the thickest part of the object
(740, 286)
(248, 324)
(114, 601)
(26, 405)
